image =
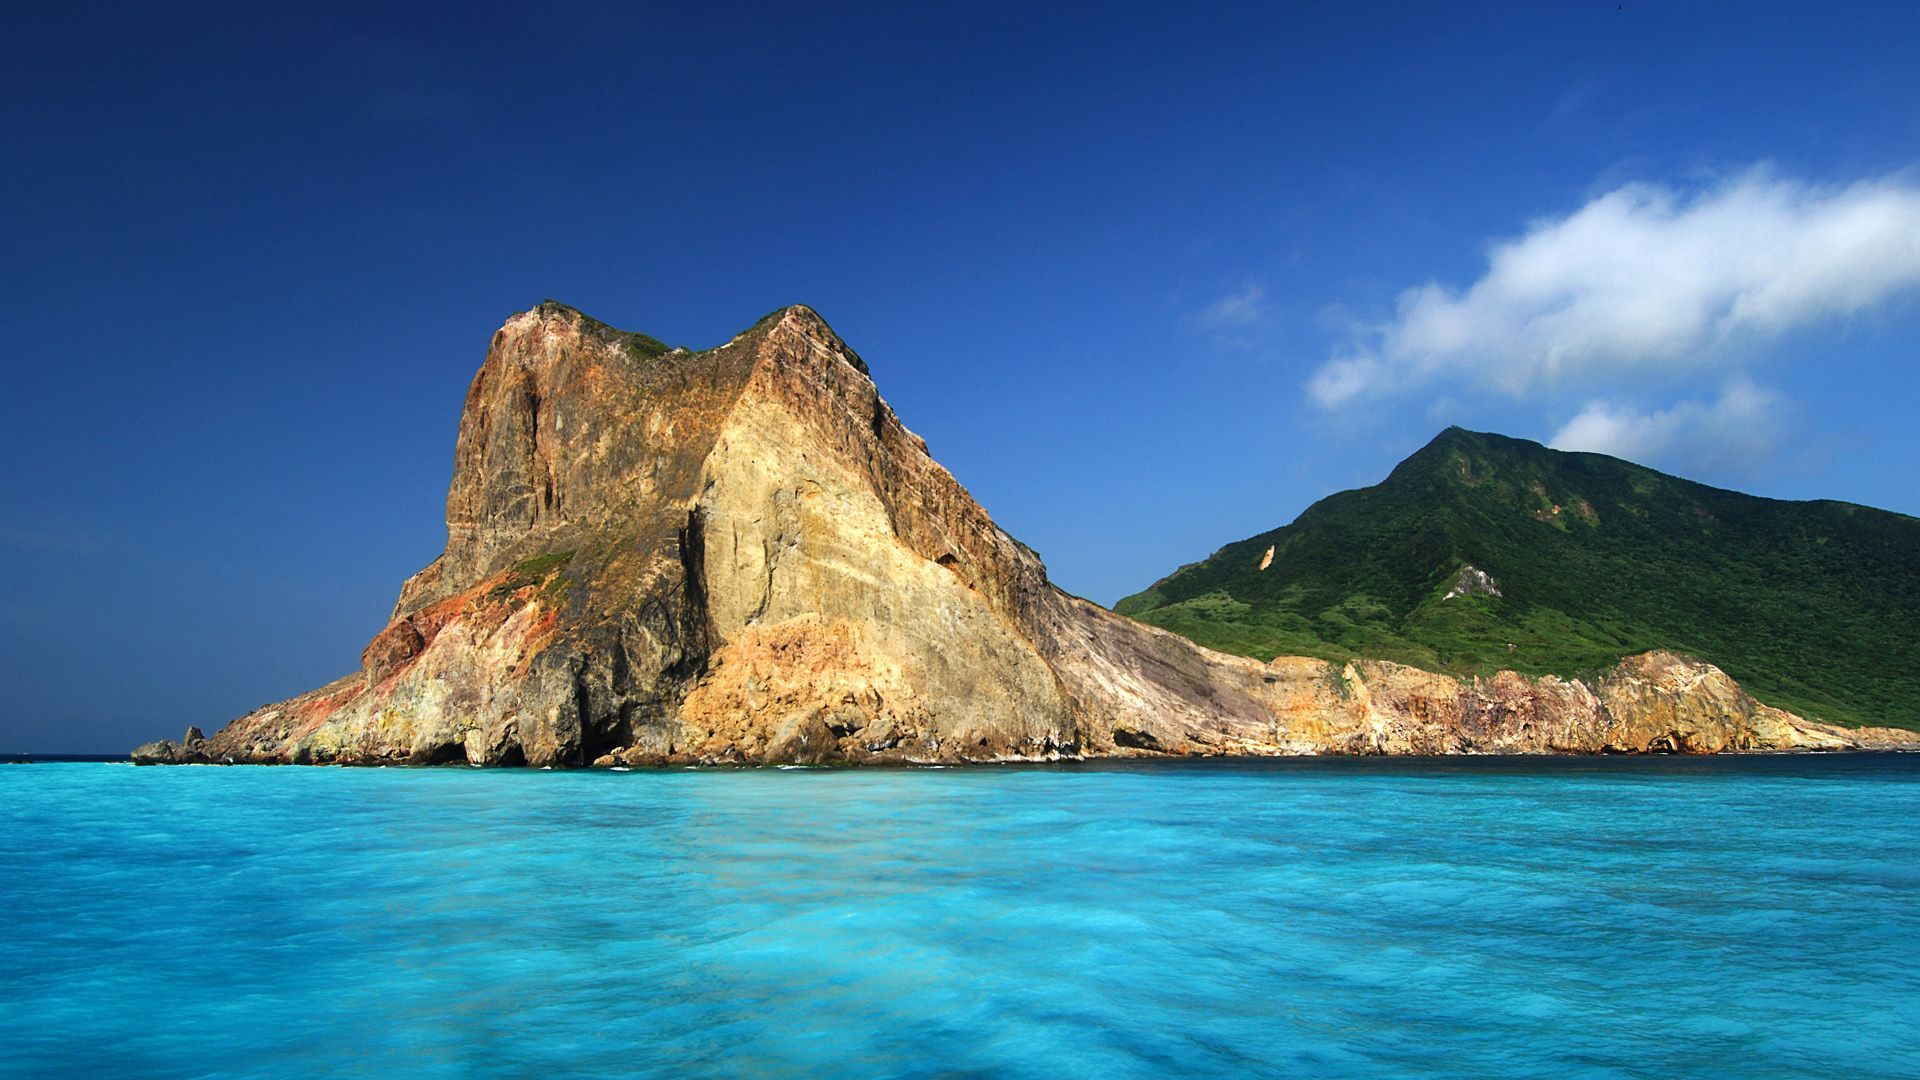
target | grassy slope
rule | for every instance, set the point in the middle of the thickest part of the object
(1814, 606)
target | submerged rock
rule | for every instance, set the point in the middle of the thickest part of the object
(742, 555)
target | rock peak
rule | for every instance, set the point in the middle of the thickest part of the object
(803, 322)
(796, 320)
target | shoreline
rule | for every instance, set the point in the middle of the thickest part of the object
(1145, 762)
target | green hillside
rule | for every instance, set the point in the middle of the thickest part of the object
(1813, 606)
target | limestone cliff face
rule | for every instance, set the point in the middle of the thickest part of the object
(742, 555)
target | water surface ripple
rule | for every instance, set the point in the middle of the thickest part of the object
(1747, 917)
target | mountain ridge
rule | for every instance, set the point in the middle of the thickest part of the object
(1809, 601)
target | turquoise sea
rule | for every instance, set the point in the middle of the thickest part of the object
(1740, 917)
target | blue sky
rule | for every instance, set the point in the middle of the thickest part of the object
(1147, 282)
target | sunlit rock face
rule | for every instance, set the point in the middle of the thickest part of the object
(741, 555)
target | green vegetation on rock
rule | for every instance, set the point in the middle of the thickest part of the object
(542, 570)
(1813, 606)
(637, 345)
(540, 565)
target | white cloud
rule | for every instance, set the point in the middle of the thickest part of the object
(1740, 428)
(1644, 280)
(1235, 310)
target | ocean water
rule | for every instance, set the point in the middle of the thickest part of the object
(1749, 917)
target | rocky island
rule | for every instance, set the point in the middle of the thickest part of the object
(741, 555)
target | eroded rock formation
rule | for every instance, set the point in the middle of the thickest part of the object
(741, 555)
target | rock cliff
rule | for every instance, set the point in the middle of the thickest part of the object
(741, 555)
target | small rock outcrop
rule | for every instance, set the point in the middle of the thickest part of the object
(741, 555)
(1472, 581)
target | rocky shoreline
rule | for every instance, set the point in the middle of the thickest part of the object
(741, 556)
(1657, 703)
